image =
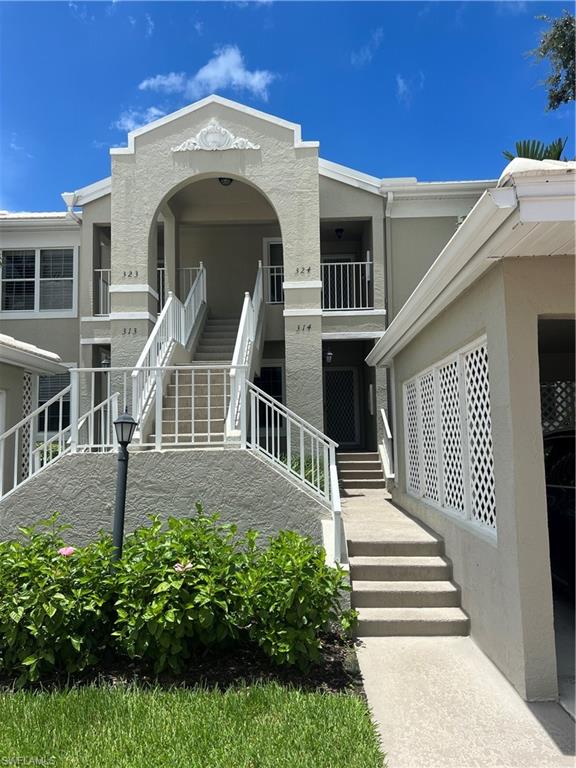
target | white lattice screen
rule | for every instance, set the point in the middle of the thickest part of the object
(26, 410)
(412, 446)
(429, 437)
(557, 402)
(452, 467)
(449, 459)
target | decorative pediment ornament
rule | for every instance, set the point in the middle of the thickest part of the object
(213, 137)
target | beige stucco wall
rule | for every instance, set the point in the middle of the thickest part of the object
(341, 201)
(285, 174)
(243, 488)
(506, 584)
(414, 245)
(230, 255)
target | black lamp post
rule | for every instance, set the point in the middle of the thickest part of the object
(125, 427)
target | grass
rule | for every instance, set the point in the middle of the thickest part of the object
(126, 726)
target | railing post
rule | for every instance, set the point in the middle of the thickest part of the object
(74, 409)
(336, 506)
(203, 280)
(243, 409)
(158, 417)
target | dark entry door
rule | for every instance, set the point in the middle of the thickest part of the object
(341, 407)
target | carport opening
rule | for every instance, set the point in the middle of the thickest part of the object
(556, 343)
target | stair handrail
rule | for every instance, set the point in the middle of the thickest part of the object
(387, 448)
(298, 448)
(240, 368)
(173, 325)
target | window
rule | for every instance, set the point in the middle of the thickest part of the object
(49, 387)
(38, 280)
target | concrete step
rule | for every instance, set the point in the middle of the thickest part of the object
(360, 474)
(405, 594)
(358, 547)
(358, 456)
(344, 466)
(202, 438)
(432, 568)
(185, 415)
(189, 403)
(361, 483)
(213, 357)
(386, 622)
(228, 348)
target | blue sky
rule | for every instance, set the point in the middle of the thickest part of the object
(426, 89)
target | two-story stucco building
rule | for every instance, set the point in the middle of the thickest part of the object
(261, 306)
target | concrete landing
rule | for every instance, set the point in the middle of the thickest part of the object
(439, 702)
(368, 515)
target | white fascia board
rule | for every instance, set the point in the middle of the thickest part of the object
(213, 99)
(34, 363)
(451, 273)
(436, 189)
(93, 191)
(350, 335)
(31, 222)
(349, 176)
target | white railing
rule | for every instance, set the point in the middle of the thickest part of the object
(387, 448)
(242, 356)
(346, 285)
(297, 448)
(101, 306)
(174, 325)
(273, 290)
(185, 277)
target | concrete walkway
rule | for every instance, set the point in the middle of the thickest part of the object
(439, 702)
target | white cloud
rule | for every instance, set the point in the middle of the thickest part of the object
(406, 87)
(131, 119)
(365, 54)
(80, 12)
(149, 25)
(132, 20)
(226, 70)
(16, 147)
(511, 7)
(199, 27)
(173, 82)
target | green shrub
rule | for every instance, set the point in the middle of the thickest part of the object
(179, 588)
(290, 595)
(55, 603)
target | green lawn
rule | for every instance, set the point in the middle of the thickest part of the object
(258, 726)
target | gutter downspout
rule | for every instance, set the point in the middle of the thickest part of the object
(388, 256)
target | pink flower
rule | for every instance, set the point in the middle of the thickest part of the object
(182, 568)
(66, 551)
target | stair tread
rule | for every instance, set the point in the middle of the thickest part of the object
(406, 560)
(404, 586)
(440, 613)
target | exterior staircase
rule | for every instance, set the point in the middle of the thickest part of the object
(401, 581)
(195, 403)
(360, 470)
(217, 342)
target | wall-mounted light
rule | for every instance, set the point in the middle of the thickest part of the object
(225, 181)
(339, 232)
(328, 355)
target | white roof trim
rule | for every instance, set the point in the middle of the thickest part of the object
(92, 191)
(213, 99)
(349, 176)
(24, 355)
(466, 256)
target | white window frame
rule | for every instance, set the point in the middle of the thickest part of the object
(464, 517)
(22, 314)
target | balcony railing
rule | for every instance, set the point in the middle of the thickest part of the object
(102, 292)
(346, 285)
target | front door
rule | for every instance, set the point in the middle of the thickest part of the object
(341, 411)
